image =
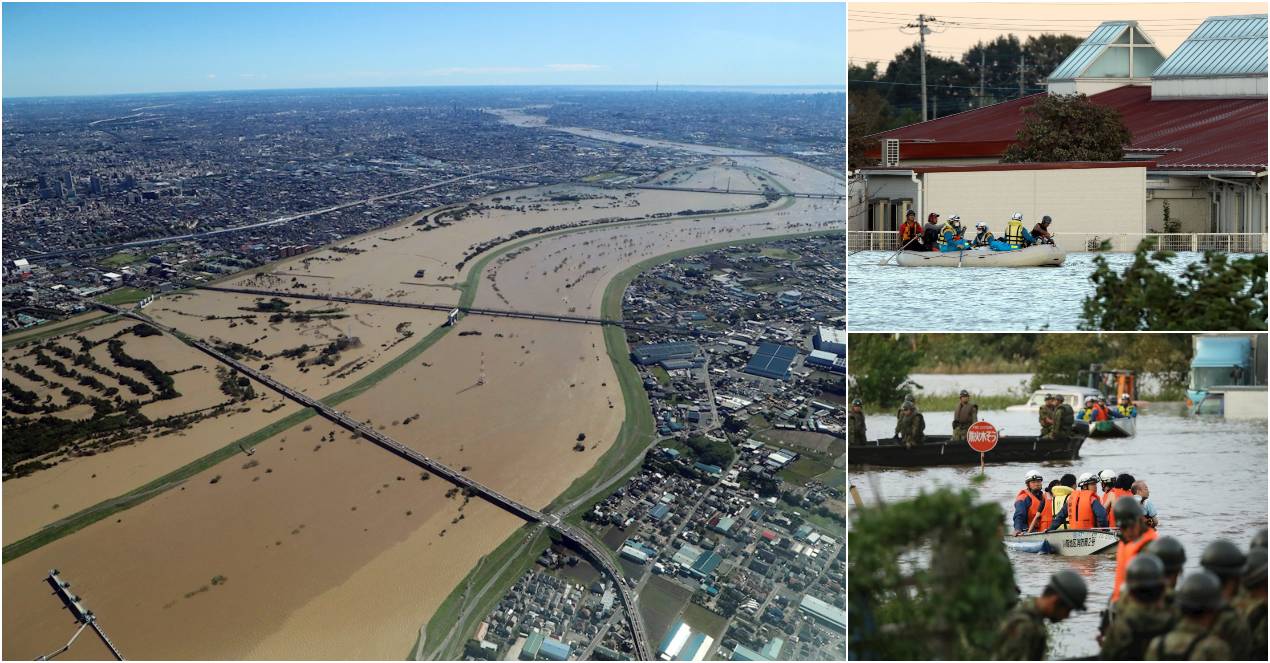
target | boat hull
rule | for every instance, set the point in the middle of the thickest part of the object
(941, 450)
(1040, 255)
(1068, 543)
(1112, 428)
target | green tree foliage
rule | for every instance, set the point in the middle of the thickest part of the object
(869, 114)
(880, 365)
(1068, 128)
(1044, 54)
(1217, 293)
(710, 452)
(929, 578)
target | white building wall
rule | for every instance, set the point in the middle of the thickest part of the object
(1087, 200)
(1245, 404)
(1228, 87)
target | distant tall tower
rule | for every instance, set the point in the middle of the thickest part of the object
(481, 379)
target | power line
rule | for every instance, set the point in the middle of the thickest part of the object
(879, 14)
(958, 87)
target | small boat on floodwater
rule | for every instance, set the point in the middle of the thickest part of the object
(1066, 542)
(1118, 427)
(942, 450)
(1038, 255)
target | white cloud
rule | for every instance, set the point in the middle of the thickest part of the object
(575, 67)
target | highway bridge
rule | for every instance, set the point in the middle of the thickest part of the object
(744, 192)
(577, 537)
(467, 310)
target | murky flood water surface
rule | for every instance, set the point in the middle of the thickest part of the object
(1207, 477)
(981, 298)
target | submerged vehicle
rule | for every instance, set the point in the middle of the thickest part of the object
(1066, 542)
(1222, 364)
(942, 450)
(1072, 395)
(1039, 255)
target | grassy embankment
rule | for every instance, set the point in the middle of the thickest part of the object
(121, 259)
(125, 295)
(49, 329)
(503, 565)
(948, 403)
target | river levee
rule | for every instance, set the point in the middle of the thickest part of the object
(319, 545)
(1206, 476)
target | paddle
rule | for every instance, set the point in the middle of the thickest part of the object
(888, 258)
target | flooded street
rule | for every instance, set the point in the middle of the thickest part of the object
(937, 298)
(1184, 460)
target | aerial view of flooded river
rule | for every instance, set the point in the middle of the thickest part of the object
(882, 297)
(1177, 456)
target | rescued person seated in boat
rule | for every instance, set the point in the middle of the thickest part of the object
(909, 231)
(1082, 509)
(930, 233)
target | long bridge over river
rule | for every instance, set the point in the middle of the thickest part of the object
(466, 310)
(579, 538)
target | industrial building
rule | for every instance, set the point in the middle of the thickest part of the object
(653, 353)
(540, 648)
(830, 615)
(1198, 124)
(826, 360)
(831, 340)
(683, 644)
(772, 360)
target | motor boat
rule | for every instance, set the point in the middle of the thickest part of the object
(942, 450)
(1066, 542)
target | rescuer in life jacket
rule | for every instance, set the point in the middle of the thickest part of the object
(1126, 407)
(983, 236)
(1016, 236)
(1134, 534)
(950, 236)
(910, 230)
(1123, 487)
(1028, 502)
(1082, 510)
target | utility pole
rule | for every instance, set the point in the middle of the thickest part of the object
(983, 63)
(921, 31)
(1022, 64)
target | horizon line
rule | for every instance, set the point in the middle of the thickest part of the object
(830, 87)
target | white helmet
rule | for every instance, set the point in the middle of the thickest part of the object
(1086, 478)
(981, 226)
(1032, 475)
(1017, 217)
(1089, 399)
(1107, 476)
(955, 219)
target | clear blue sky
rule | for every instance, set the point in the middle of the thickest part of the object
(83, 49)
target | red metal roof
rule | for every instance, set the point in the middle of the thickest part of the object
(1201, 134)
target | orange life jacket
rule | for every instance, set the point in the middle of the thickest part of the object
(1124, 554)
(1047, 513)
(1033, 504)
(1113, 495)
(909, 230)
(1080, 509)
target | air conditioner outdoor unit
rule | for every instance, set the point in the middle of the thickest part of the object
(892, 153)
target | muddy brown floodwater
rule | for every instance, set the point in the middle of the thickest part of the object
(1207, 477)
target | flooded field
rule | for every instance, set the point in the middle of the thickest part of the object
(96, 473)
(940, 298)
(1171, 453)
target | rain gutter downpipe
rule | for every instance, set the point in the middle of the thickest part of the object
(921, 211)
(1243, 221)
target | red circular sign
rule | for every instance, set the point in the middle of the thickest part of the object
(982, 436)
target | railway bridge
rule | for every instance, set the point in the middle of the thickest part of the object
(469, 310)
(577, 537)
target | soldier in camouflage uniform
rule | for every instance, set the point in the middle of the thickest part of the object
(1139, 616)
(911, 428)
(1192, 639)
(1251, 601)
(1226, 561)
(964, 415)
(899, 413)
(1171, 552)
(856, 431)
(1062, 418)
(1022, 636)
(1045, 414)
